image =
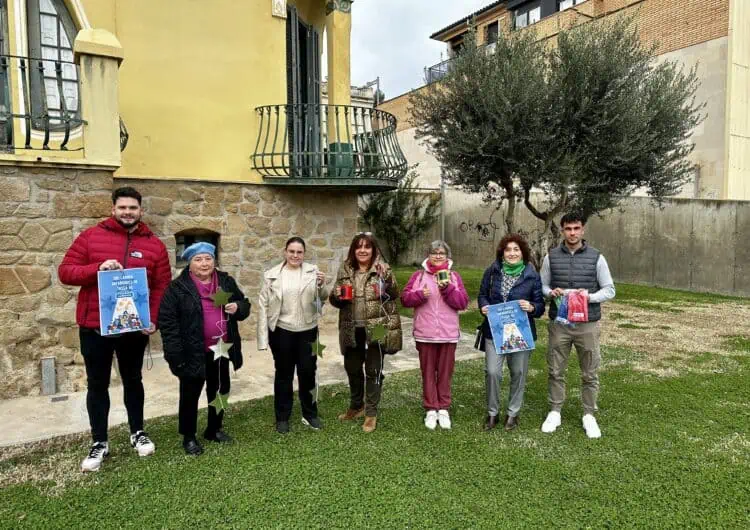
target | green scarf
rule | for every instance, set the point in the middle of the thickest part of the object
(513, 270)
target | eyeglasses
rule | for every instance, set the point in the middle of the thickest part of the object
(433, 253)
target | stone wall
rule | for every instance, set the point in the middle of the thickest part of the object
(254, 222)
(42, 210)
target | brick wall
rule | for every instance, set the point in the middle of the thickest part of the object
(671, 24)
(42, 210)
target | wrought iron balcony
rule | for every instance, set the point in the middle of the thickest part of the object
(328, 146)
(438, 71)
(48, 106)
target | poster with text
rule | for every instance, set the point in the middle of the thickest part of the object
(123, 301)
(511, 331)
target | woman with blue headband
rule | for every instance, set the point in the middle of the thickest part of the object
(198, 318)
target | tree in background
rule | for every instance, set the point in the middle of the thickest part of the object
(400, 216)
(585, 122)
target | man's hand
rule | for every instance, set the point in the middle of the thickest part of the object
(558, 291)
(110, 265)
(485, 310)
(231, 309)
(150, 330)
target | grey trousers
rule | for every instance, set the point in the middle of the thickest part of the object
(585, 337)
(518, 365)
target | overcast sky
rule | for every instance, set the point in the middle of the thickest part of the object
(391, 39)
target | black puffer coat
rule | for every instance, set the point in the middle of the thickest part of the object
(181, 325)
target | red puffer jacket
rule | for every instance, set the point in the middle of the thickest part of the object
(109, 240)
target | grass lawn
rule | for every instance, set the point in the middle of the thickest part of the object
(675, 453)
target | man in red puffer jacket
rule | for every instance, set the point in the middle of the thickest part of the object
(120, 242)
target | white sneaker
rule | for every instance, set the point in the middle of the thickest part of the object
(93, 462)
(430, 420)
(444, 419)
(591, 427)
(552, 422)
(142, 443)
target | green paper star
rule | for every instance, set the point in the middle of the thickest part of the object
(317, 348)
(378, 333)
(220, 297)
(220, 402)
(220, 349)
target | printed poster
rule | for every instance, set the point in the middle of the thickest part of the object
(511, 331)
(123, 301)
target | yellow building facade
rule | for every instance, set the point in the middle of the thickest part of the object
(211, 110)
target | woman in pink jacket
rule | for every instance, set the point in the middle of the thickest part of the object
(437, 294)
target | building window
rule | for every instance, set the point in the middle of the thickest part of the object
(54, 86)
(492, 32)
(457, 44)
(194, 235)
(521, 19)
(535, 15)
(6, 123)
(562, 5)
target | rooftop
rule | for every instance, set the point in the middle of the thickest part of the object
(467, 18)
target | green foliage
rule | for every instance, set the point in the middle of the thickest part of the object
(585, 122)
(400, 216)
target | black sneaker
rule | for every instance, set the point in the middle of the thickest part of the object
(192, 447)
(282, 427)
(314, 423)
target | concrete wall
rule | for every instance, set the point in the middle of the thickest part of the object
(710, 60)
(688, 244)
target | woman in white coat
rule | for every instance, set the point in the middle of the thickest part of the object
(289, 306)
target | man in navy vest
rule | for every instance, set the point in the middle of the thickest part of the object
(574, 265)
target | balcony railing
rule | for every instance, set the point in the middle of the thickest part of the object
(335, 144)
(440, 70)
(47, 109)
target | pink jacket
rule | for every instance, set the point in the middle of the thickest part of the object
(435, 317)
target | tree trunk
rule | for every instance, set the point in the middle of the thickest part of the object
(510, 195)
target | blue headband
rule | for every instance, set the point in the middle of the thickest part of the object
(198, 248)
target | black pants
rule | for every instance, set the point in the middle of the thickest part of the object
(365, 386)
(217, 381)
(97, 353)
(292, 349)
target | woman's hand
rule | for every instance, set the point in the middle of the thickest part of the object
(321, 277)
(485, 310)
(426, 291)
(231, 309)
(526, 306)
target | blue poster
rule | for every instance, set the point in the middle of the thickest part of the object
(511, 331)
(123, 301)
